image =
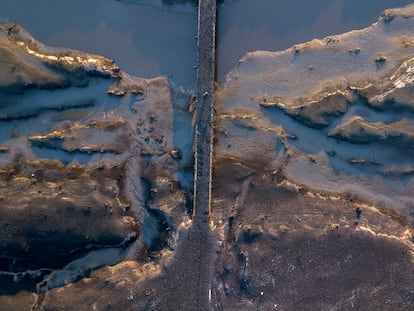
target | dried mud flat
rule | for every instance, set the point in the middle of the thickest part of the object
(95, 179)
(313, 181)
(312, 193)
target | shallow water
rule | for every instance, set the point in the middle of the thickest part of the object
(144, 40)
(245, 25)
(150, 39)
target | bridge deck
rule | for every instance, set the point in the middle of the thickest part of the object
(204, 109)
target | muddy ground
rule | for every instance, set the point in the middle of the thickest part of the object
(312, 182)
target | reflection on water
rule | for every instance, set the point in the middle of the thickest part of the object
(246, 25)
(144, 40)
(188, 6)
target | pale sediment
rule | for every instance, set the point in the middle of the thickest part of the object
(313, 174)
(96, 167)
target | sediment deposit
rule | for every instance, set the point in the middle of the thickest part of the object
(312, 203)
(313, 174)
(96, 171)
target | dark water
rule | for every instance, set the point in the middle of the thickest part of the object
(272, 25)
(144, 40)
(151, 40)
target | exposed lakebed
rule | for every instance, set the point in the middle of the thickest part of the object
(313, 174)
(96, 165)
(312, 179)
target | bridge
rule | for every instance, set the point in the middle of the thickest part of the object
(188, 280)
(203, 144)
